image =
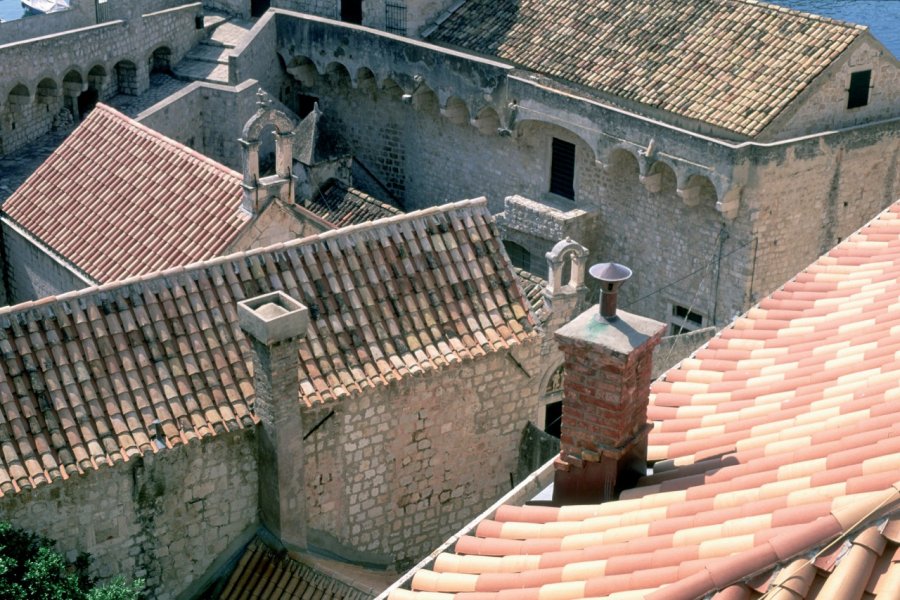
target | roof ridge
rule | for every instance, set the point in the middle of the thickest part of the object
(798, 12)
(219, 260)
(135, 124)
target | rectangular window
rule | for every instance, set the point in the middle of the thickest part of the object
(395, 18)
(683, 320)
(351, 11)
(859, 89)
(562, 169)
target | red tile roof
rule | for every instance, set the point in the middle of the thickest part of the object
(732, 63)
(341, 205)
(778, 463)
(118, 199)
(100, 375)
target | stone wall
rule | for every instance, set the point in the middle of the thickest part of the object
(276, 224)
(81, 13)
(113, 57)
(32, 272)
(396, 470)
(805, 197)
(163, 517)
(823, 105)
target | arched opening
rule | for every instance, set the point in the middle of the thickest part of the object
(622, 165)
(126, 78)
(391, 89)
(267, 150)
(47, 94)
(337, 76)
(456, 111)
(97, 80)
(79, 97)
(553, 402)
(303, 70)
(365, 80)
(425, 100)
(698, 190)
(19, 97)
(161, 61)
(519, 256)
(660, 179)
(487, 121)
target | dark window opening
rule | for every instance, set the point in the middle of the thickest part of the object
(859, 89)
(562, 169)
(86, 101)
(395, 18)
(553, 418)
(518, 256)
(305, 105)
(351, 11)
(689, 315)
(258, 7)
(684, 320)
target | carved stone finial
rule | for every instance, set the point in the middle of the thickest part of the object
(263, 101)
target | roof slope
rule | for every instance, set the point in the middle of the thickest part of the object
(778, 438)
(269, 575)
(118, 199)
(100, 375)
(734, 64)
(342, 205)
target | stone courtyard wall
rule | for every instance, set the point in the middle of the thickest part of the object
(164, 517)
(81, 13)
(31, 271)
(397, 469)
(25, 64)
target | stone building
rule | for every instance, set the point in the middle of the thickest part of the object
(119, 199)
(355, 393)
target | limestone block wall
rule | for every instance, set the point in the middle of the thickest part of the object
(824, 105)
(805, 197)
(257, 58)
(276, 224)
(32, 272)
(163, 517)
(396, 470)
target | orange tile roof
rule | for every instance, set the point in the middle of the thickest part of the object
(118, 199)
(777, 450)
(101, 375)
(269, 575)
(732, 63)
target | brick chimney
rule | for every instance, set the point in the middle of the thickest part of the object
(608, 361)
(274, 323)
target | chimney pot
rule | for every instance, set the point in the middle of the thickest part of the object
(611, 277)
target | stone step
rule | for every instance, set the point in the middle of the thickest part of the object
(231, 33)
(204, 52)
(199, 70)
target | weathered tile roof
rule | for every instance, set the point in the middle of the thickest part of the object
(118, 199)
(734, 64)
(533, 288)
(104, 374)
(777, 450)
(341, 205)
(265, 574)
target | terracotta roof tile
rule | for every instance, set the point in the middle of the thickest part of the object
(118, 199)
(100, 375)
(266, 574)
(340, 205)
(777, 463)
(732, 63)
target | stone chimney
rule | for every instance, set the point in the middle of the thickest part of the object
(608, 361)
(274, 323)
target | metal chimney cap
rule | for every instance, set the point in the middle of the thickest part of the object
(610, 272)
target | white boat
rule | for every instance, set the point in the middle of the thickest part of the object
(36, 7)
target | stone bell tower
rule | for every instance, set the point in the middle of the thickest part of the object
(258, 191)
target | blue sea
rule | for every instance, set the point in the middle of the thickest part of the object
(882, 16)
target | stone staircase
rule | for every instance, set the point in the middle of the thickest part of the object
(208, 60)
